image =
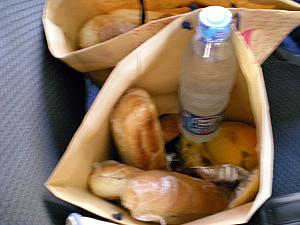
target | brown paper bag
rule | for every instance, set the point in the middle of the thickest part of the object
(62, 20)
(154, 66)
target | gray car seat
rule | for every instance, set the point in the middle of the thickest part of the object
(42, 102)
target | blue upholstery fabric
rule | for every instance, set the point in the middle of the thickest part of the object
(41, 106)
(283, 87)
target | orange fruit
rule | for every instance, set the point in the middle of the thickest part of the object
(234, 144)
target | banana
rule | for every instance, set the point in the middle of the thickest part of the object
(194, 154)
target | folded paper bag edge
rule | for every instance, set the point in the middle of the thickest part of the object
(265, 188)
(282, 4)
(236, 218)
(99, 207)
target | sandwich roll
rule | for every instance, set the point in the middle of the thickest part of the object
(101, 28)
(104, 27)
(172, 198)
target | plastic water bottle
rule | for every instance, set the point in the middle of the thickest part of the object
(207, 76)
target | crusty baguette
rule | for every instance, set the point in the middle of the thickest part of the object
(137, 132)
(173, 198)
(109, 178)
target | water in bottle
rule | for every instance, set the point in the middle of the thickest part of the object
(207, 76)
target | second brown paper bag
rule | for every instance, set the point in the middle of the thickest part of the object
(62, 19)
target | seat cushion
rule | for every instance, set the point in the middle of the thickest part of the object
(41, 106)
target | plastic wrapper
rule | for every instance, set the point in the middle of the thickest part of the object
(246, 190)
(76, 219)
(174, 163)
(220, 173)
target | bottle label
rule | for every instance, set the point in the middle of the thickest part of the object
(214, 34)
(200, 125)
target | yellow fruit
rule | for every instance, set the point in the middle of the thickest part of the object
(234, 144)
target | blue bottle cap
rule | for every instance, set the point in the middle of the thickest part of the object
(215, 23)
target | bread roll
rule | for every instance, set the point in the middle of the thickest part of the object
(173, 198)
(104, 27)
(137, 133)
(109, 178)
(169, 126)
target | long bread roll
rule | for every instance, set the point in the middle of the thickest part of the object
(173, 198)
